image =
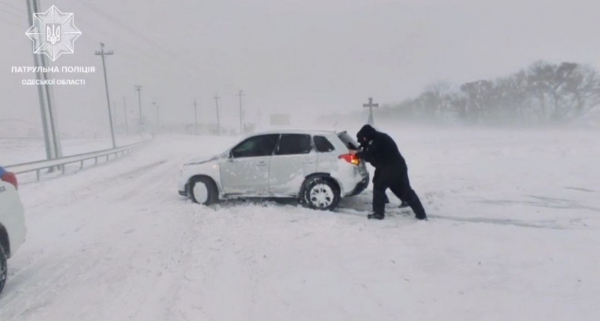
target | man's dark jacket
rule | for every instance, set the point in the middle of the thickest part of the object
(382, 152)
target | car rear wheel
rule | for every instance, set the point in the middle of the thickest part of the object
(3, 268)
(203, 190)
(321, 194)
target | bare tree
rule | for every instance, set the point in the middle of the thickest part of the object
(540, 93)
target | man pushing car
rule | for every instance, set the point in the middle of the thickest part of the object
(392, 172)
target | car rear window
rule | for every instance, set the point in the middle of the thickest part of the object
(348, 140)
(293, 144)
(323, 144)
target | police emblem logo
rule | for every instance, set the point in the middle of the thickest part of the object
(53, 33)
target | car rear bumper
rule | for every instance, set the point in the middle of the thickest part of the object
(360, 187)
(354, 183)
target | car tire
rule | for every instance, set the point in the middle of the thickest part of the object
(321, 193)
(203, 190)
(3, 268)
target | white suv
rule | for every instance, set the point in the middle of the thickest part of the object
(315, 167)
(12, 221)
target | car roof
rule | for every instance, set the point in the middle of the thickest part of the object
(295, 131)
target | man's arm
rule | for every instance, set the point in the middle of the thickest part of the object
(369, 153)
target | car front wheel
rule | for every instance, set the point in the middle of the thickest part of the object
(203, 190)
(321, 194)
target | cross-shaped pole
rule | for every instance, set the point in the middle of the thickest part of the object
(370, 105)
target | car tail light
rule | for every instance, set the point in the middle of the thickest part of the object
(10, 178)
(351, 158)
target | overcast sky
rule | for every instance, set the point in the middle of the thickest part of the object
(311, 56)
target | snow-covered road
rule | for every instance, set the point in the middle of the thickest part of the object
(513, 235)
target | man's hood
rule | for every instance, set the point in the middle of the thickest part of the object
(366, 133)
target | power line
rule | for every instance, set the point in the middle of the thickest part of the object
(133, 31)
(138, 34)
(138, 46)
(176, 60)
(89, 25)
(135, 56)
(12, 23)
(21, 10)
(17, 13)
(140, 53)
(20, 16)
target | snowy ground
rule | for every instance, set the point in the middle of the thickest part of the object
(513, 235)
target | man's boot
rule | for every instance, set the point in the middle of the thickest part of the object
(376, 216)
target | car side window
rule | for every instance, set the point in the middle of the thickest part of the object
(294, 144)
(323, 144)
(256, 146)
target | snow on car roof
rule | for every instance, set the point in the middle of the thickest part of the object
(295, 131)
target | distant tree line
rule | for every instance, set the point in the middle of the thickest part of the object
(542, 93)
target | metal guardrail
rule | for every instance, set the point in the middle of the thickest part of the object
(60, 163)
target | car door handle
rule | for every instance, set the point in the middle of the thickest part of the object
(262, 164)
(308, 162)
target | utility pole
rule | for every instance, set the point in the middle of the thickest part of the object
(125, 113)
(218, 119)
(103, 54)
(48, 140)
(195, 117)
(139, 90)
(240, 94)
(157, 116)
(45, 95)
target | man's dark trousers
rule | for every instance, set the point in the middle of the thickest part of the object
(397, 181)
